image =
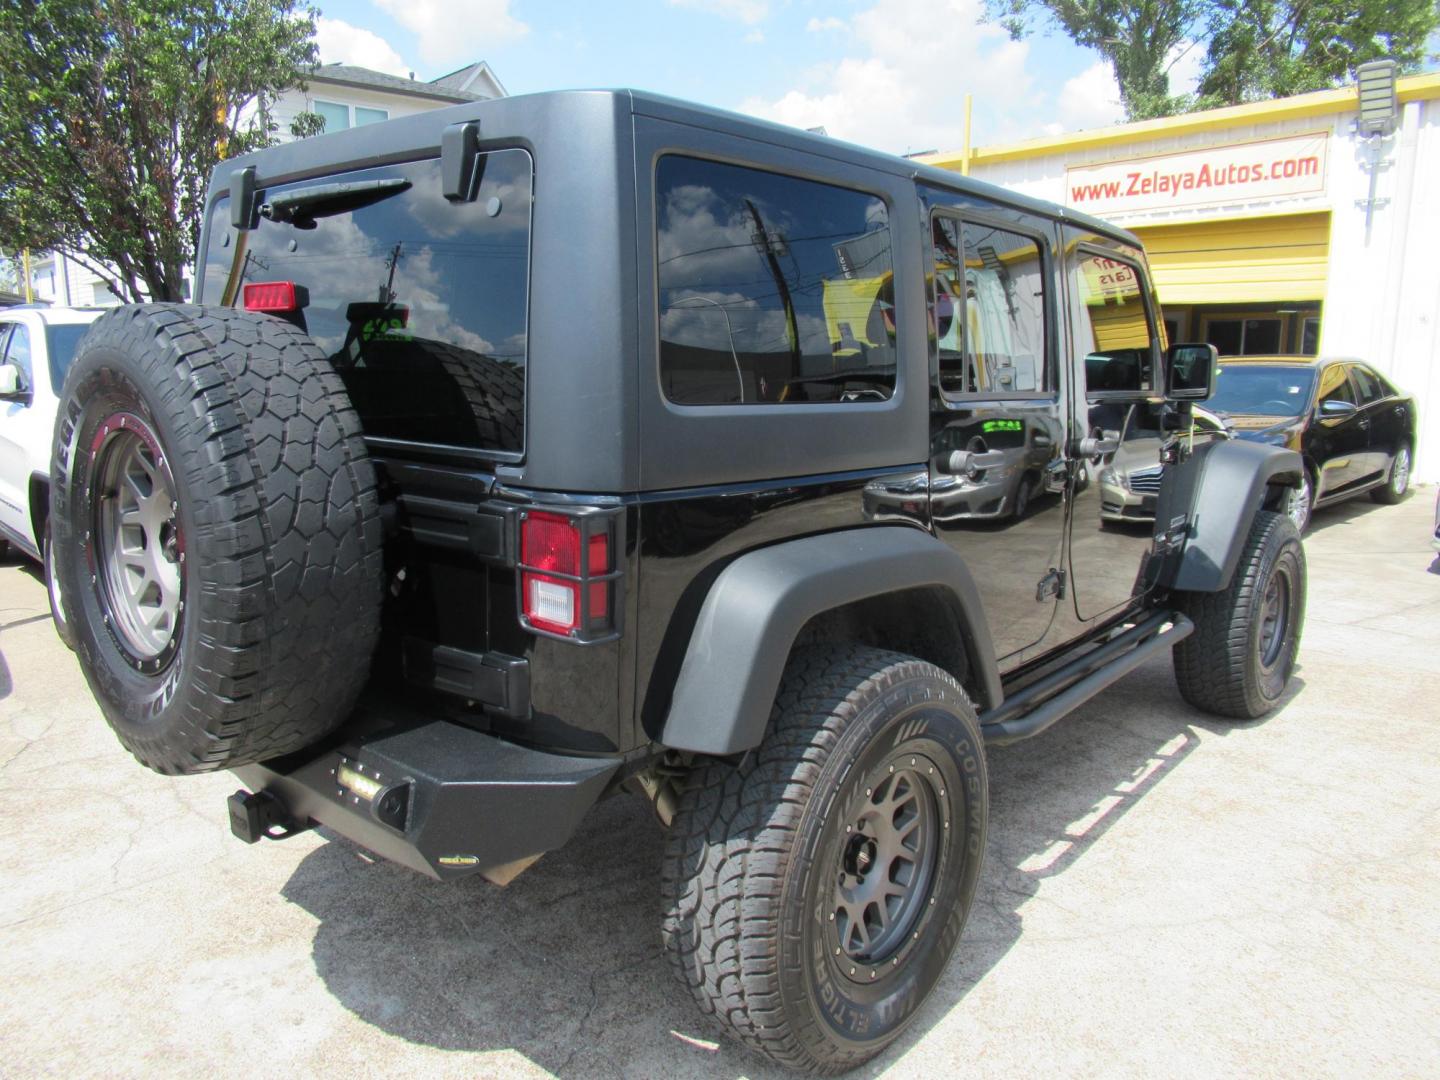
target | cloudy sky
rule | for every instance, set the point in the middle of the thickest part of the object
(892, 74)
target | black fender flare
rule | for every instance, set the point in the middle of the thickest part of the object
(759, 603)
(1229, 481)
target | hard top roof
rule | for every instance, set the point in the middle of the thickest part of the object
(408, 137)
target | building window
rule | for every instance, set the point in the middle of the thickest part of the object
(1244, 337)
(338, 116)
(335, 115)
(773, 290)
(1310, 337)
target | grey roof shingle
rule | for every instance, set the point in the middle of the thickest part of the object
(351, 75)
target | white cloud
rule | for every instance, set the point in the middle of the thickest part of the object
(907, 91)
(755, 37)
(456, 32)
(749, 12)
(339, 42)
(1091, 99)
(830, 22)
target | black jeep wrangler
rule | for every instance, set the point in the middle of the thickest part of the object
(532, 450)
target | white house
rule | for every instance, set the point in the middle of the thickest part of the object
(345, 96)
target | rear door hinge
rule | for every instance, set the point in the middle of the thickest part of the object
(1052, 585)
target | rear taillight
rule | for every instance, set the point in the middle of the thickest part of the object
(276, 297)
(562, 593)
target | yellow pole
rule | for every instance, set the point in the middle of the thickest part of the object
(965, 155)
(25, 262)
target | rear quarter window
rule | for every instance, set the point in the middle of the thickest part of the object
(773, 290)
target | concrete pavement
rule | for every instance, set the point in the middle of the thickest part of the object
(1163, 894)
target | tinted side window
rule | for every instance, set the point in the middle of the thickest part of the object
(1369, 384)
(773, 290)
(987, 309)
(1112, 325)
(1334, 386)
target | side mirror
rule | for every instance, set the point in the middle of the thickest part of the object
(1191, 372)
(12, 383)
(1330, 410)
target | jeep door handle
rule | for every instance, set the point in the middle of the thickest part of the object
(964, 461)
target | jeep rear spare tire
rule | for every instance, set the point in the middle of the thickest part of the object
(217, 535)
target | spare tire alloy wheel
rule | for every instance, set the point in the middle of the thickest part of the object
(814, 891)
(135, 545)
(216, 542)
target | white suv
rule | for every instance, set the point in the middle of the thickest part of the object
(36, 345)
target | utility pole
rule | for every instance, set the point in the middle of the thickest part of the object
(762, 239)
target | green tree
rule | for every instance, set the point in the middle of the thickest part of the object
(113, 113)
(1255, 49)
(1136, 36)
(1260, 49)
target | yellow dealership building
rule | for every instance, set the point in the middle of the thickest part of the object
(1276, 227)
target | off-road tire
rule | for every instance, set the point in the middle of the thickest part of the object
(493, 391)
(275, 530)
(751, 860)
(52, 590)
(1397, 480)
(1230, 666)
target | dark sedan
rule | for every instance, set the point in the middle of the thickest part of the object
(1355, 431)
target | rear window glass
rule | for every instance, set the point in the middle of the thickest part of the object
(419, 302)
(773, 290)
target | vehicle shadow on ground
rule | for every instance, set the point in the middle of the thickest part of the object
(1343, 513)
(565, 967)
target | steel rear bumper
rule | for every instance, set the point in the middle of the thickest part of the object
(435, 796)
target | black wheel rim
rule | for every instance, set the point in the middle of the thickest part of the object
(887, 863)
(137, 549)
(1274, 619)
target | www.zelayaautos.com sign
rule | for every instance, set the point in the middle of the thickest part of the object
(1236, 173)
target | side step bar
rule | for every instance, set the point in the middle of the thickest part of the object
(1039, 705)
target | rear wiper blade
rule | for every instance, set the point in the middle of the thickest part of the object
(300, 208)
